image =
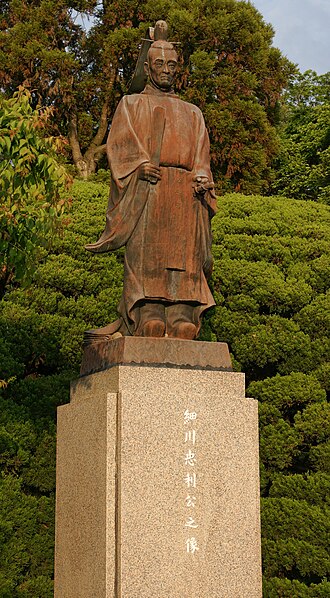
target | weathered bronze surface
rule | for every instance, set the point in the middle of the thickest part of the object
(156, 351)
(161, 203)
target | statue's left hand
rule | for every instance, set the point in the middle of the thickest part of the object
(149, 172)
(202, 185)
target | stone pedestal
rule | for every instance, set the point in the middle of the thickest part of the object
(157, 483)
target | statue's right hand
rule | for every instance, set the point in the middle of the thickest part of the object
(149, 172)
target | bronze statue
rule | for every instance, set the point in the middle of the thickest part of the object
(161, 203)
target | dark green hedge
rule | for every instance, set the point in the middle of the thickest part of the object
(270, 282)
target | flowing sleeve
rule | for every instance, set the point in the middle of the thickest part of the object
(128, 194)
(124, 148)
(202, 159)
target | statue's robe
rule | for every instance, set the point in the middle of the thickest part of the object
(166, 226)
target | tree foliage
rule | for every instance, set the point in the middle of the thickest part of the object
(271, 284)
(303, 167)
(228, 68)
(31, 180)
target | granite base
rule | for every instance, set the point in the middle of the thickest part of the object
(158, 486)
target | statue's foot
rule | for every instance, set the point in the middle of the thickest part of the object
(154, 328)
(185, 330)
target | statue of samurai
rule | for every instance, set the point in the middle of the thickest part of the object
(160, 207)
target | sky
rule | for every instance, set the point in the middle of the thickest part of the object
(302, 30)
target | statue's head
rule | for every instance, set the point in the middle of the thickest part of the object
(161, 65)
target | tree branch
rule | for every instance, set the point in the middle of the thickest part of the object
(100, 150)
(73, 138)
(100, 132)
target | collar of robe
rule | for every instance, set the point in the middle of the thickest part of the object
(151, 90)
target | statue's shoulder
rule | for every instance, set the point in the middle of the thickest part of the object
(192, 108)
(130, 104)
(132, 99)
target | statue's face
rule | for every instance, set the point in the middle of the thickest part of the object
(161, 67)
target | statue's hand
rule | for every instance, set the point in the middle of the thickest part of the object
(149, 172)
(202, 185)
